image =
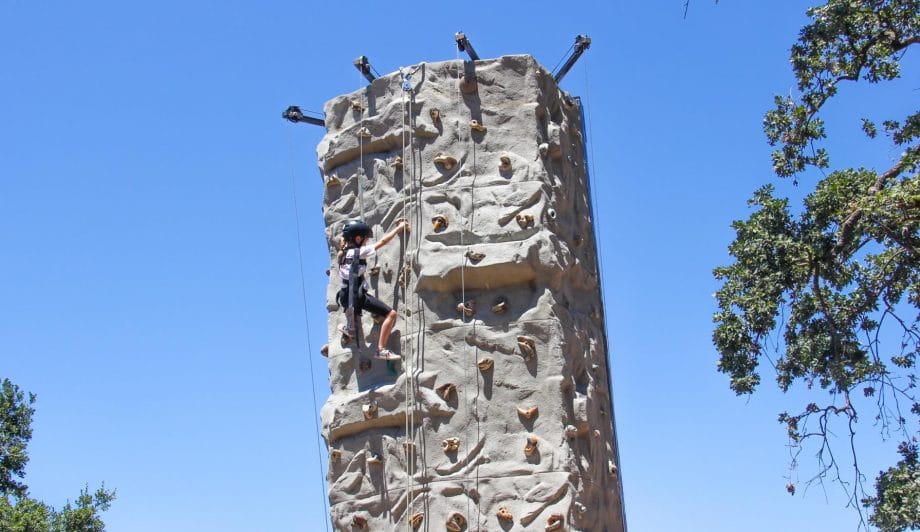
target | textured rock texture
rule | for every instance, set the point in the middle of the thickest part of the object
(499, 415)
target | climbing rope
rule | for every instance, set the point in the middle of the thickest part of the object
(306, 317)
(360, 173)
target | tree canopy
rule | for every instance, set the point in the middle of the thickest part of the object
(828, 293)
(18, 511)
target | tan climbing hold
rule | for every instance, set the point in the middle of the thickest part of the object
(475, 256)
(374, 458)
(439, 223)
(364, 133)
(524, 220)
(435, 115)
(446, 390)
(543, 149)
(611, 468)
(555, 522)
(335, 455)
(359, 522)
(408, 446)
(416, 519)
(528, 347)
(364, 365)
(500, 306)
(467, 308)
(374, 271)
(468, 85)
(333, 180)
(476, 126)
(456, 522)
(485, 364)
(571, 431)
(504, 164)
(504, 514)
(404, 276)
(324, 350)
(531, 446)
(446, 161)
(397, 162)
(596, 433)
(356, 105)
(528, 413)
(370, 410)
(451, 445)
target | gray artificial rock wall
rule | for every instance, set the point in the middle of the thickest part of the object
(499, 415)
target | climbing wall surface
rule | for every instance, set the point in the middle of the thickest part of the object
(499, 415)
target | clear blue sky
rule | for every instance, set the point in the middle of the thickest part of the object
(149, 280)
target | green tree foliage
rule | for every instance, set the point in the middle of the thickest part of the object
(18, 511)
(828, 294)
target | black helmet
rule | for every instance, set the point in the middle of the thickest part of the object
(353, 228)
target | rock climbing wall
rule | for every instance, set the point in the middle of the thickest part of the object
(499, 415)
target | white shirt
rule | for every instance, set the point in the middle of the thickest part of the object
(364, 252)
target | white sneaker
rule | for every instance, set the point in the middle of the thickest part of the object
(386, 354)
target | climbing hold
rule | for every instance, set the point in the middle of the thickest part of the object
(335, 455)
(404, 276)
(611, 468)
(577, 240)
(568, 102)
(475, 256)
(356, 105)
(504, 514)
(440, 223)
(446, 390)
(528, 347)
(555, 522)
(359, 522)
(476, 126)
(528, 413)
(504, 163)
(397, 163)
(467, 308)
(551, 213)
(543, 149)
(416, 520)
(364, 365)
(485, 364)
(580, 508)
(596, 433)
(446, 161)
(500, 306)
(524, 220)
(378, 318)
(364, 133)
(332, 180)
(531, 446)
(324, 350)
(374, 271)
(468, 84)
(374, 458)
(408, 446)
(456, 522)
(571, 431)
(370, 410)
(435, 114)
(451, 445)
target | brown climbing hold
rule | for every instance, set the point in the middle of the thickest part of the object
(446, 390)
(364, 365)
(324, 350)
(611, 468)
(397, 162)
(475, 256)
(408, 446)
(476, 126)
(364, 133)
(335, 455)
(578, 241)
(374, 271)
(531, 446)
(555, 522)
(504, 163)
(446, 161)
(468, 85)
(528, 413)
(439, 222)
(543, 149)
(359, 522)
(528, 347)
(504, 514)
(404, 277)
(596, 433)
(467, 308)
(356, 105)
(370, 410)
(374, 458)
(435, 115)
(456, 522)
(416, 520)
(451, 445)
(500, 306)
(485, 364)
(333, 181)
(571, 431)
(524, 220)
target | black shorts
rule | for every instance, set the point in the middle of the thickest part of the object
(365, 302)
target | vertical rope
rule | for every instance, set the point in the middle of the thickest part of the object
(306, 317)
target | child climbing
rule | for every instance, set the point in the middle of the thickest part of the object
(353, 296)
